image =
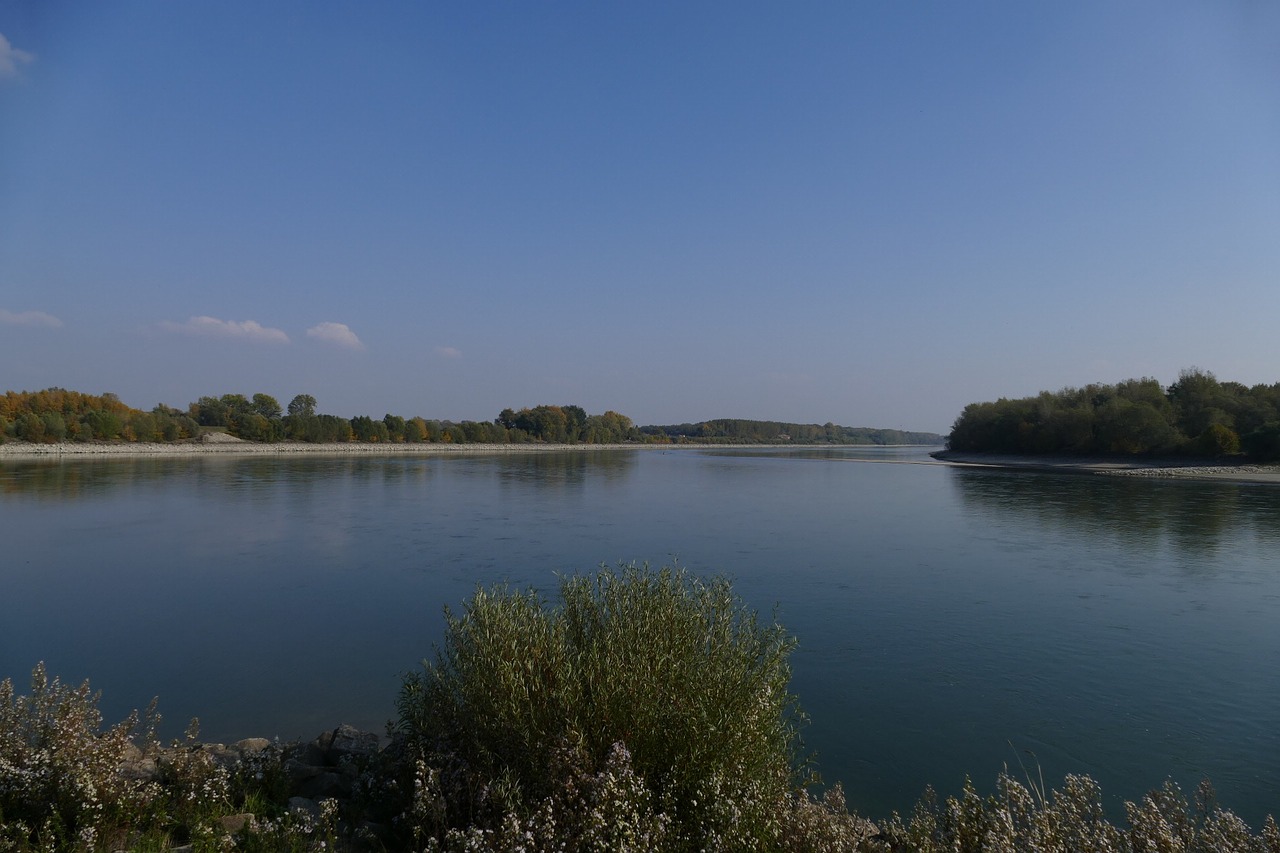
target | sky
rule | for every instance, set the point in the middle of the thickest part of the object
(862, 212)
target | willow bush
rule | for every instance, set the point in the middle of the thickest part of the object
(672, 669)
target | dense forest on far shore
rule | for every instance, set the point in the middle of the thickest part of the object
(736, 431)
(55, 415)
(1197, 416)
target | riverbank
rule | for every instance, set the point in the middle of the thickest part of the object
(1183, 469)
(221, 444)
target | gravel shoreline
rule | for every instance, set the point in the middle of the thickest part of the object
(223, 445)
(1188, 469)
(235, 447)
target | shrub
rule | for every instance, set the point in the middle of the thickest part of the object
(68, 785)
(1263, 443)
(1216, 440)
(1071, 820)
(59, 773)
(672, 671)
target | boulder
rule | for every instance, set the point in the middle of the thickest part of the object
(251, 746)
(348, 742)
(303, 805)
(233, 823)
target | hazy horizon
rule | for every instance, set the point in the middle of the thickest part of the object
(869, 214)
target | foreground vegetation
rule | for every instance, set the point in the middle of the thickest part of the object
(646, 711)
(56, 415)
(1197, 415)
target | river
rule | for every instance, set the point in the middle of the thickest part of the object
(950, 621)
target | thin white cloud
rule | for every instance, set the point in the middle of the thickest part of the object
(449, 352)
(29, 318)
(11, 58)
(212, 327)
(335, 333)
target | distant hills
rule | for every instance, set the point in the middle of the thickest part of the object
(739, 431)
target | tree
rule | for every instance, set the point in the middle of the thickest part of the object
(1197, 399)
(30, 427)
(303, 405)
(415, 430)
(55, 428)
(395, 427)
(1217, 440)
(236, 403)
(266, 405)
(575, 418)
(209, 411)
(1263, 443)
(365, 428)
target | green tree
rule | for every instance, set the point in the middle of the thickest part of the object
(236, 403)
(1125, 427)
(55, 428)
(575, 418)
(365, 428)
(395, 427)
(1217, 440)
(1198, 401)
(415, 430)
(140, 426)
(209, 411)
(1263, 443)
(266, 406)
(30, 427)
(303, 405)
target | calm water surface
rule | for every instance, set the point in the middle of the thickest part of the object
(950, 621)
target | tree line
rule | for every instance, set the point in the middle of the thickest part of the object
(1198, 415)
(739, 431)
(55, 415)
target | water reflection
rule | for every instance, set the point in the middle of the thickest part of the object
(1192, 517)
(265, 476)
(1114, 626)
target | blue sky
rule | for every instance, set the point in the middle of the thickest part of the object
(867, 213)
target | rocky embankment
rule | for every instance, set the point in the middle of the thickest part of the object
(219, 443)
(304, 774)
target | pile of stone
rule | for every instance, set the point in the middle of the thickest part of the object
(325, 768)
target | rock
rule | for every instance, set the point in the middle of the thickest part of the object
(235, 822)
(221, 756)
(303, 805)
(251, 745)
(299, 771)
(349, 742)
(140, 769)
(324, 785)
(306, 753)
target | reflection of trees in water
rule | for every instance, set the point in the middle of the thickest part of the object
(260, 477)
(1195, 517)
(76, 479)
(564, 470)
